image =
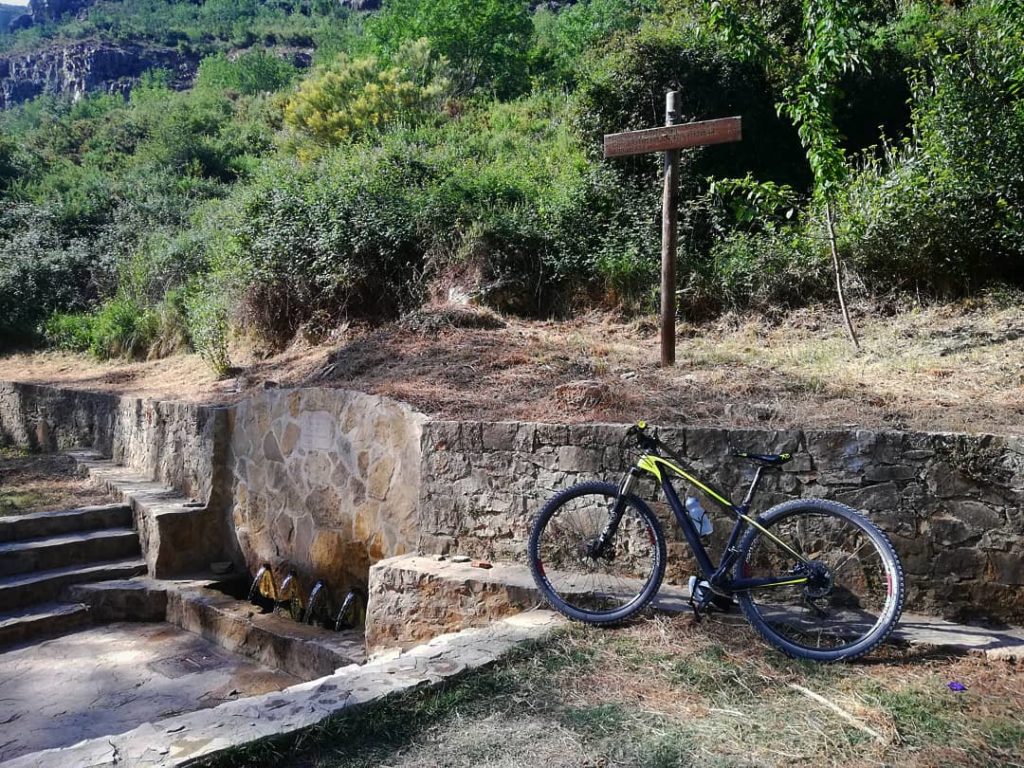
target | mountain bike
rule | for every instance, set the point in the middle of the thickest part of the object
(815, 578)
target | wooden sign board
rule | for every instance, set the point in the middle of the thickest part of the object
(722, 131)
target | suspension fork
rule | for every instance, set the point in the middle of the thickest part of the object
(615, 514)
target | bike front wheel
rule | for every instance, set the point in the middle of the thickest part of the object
(596, 587)
(844, 593)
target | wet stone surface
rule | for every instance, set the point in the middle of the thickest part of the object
(110, 679)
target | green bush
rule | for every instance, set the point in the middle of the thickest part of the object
(121, 327)
(566, 39)
(316, 242)
(486, 41)
(943, 211)
(70, 332)
(351, 97)
(208, 305)
(251, 73)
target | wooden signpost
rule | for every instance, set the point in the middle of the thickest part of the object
(670, 140)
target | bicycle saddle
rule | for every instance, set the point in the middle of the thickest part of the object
(767, 459)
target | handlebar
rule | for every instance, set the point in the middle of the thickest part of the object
(643, 439)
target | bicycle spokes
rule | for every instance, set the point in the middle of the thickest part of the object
(834, 598)
(588, 569)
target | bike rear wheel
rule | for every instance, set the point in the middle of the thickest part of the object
(602, 588)
(852, 596)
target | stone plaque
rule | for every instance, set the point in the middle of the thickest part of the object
(317, 431)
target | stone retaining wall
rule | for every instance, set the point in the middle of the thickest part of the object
(951, 503)
(332, 481)
(182, 445)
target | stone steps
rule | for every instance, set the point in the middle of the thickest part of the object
(46, 620)
(67, 549)
(22, 589)
(58, 522)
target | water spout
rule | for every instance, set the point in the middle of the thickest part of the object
(289, 597)
(263, 585)
(352, 613)
(316, 606)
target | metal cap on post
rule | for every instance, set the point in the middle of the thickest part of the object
(669, 235)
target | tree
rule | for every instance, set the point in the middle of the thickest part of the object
(486, 41)
(832, 40)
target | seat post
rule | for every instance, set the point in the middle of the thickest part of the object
(753, 487)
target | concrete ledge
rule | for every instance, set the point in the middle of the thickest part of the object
(303, 651)
(139, 599)
(178, 536)
(182, 740)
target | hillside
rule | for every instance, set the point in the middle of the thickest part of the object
(273, 172)
(950, 368)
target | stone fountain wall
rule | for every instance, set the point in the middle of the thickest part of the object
(325, 480)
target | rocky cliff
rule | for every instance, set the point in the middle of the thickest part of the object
(83, 67)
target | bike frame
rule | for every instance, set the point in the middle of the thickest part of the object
(663, 470)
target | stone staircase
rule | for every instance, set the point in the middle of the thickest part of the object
(42, 554)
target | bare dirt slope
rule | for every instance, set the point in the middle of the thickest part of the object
(954, 367)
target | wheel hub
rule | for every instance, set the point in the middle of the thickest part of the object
(819, 581)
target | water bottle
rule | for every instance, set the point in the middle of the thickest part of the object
(699, 517)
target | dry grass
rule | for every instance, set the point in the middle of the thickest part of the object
(38, 483)
(954, 367)
(664, 692)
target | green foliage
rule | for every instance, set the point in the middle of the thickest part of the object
(40, 271)
(566, 40)
(943, 210)
(626, 89)
(486, 41)
(357, 96)
(208, 308)
(213, 25)
(251, 73)
(69, 331)
(121, 327)
(833, 42)
(459, 140)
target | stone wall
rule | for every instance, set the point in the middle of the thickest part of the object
(332, 481)
(182, 445)
(325, 480)
(951, 503)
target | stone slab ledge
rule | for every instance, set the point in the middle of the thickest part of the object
(178, 535)
(416, 596)
(184, 739)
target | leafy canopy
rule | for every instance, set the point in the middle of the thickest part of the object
(486, 41)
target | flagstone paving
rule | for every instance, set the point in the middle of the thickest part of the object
(181, 739)
(113, 678)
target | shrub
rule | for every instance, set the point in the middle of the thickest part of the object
(486, 41)
(251, 73)
(357, 96)
(943, 211)
(68, 331)
(40, 272)
(207, 308)
(316, 242)
(564, 38)
(121, 327)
